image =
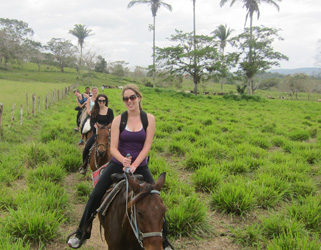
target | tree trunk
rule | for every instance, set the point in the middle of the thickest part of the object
(250, 80)
(194, 41)
(154, 70)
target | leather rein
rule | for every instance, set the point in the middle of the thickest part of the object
(132, 218)
(101, 144)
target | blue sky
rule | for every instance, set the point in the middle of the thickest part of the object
(122, 34)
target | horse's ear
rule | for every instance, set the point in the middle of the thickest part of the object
(160, 181)
(133, 184)
(98, 125)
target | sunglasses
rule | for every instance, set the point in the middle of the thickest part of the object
(132, 98)
(101, 100)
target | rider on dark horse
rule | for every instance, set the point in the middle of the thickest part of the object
(134, 140)
(102, 115)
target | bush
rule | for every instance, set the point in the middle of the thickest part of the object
(187, 218)
(207, 179)
(32, 223)
(36, 153)
(53, 173)
(234, 197)
(299, 135)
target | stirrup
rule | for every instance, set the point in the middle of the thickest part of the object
(82, 240)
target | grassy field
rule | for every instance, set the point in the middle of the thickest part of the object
(242, 173)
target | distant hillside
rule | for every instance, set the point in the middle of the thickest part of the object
(308, 71)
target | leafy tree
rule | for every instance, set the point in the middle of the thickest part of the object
(119, 68)
(63, 53)
(179, 59)
(34, 53)
(81, 32)
(269, 83)
(101, 65)
(318, 55)
(296, 83)
(262, 54)
(154, 5)
(13, 34)
(251, 7)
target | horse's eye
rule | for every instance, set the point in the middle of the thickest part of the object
(140, 214)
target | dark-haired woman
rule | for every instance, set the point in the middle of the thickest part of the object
(102, 115)
(136, 139)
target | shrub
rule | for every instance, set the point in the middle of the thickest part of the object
(308, 211)
(187, 218)
(207, 179)
(177, 148)
(36, 153)
(276, 225)
(54, 173)
(11, 243)
(294, 241)
(234, 197)
(299, 135)
(11, 168)
(32, 223)
(84, 189)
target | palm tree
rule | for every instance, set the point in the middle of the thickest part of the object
(222, 33)
(252, 6)
(81, 32)
(155, 5)
(194, 41)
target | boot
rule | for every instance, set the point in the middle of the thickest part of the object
(83, 168)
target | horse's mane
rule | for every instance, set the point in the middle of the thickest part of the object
(147, 188)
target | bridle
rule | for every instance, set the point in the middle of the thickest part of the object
(132, 218)
(101, 144)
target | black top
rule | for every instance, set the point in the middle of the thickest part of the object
(102, 119)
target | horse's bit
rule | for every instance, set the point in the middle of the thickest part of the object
(140, 236)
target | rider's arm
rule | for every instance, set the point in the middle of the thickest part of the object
(150, 131)
(114, 141)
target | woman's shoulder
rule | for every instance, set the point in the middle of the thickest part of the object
(150, 117)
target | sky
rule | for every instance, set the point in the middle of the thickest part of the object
(122, 34)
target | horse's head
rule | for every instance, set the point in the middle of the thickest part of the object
(150, 211)
(103, 139)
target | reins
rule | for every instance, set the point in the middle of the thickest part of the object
(140, 236)
(101, 144)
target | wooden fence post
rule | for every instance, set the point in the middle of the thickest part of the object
(46, 101)
(1, 112)
(21, 113)
(33, 104)
(58, 95)
(38, 104)
(27, 105)
(12, 114)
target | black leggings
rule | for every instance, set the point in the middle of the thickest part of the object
(102, 185)
(87, 147)
(78, 117)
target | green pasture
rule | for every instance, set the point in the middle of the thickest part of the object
(254, 159)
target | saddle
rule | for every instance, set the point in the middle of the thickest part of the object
(118, 182)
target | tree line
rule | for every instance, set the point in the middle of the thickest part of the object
(202, 57)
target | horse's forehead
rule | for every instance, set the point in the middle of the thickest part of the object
(151, 202)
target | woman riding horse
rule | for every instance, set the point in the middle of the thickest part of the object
(134, 140)
(102, 115)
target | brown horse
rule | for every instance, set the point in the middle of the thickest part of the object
(100, 153)
(134, 219)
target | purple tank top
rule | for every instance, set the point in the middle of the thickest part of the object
(132, 143)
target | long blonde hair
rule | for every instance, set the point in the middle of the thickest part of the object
(134, 88)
